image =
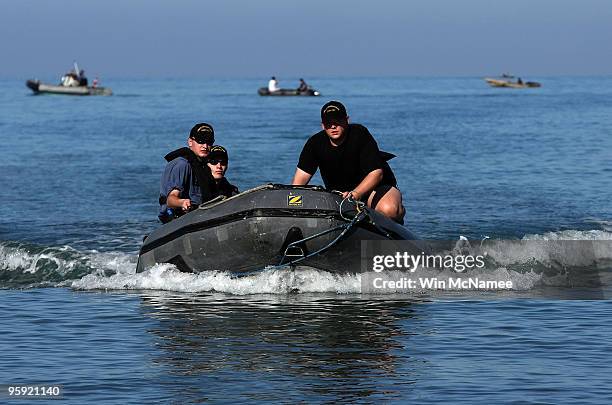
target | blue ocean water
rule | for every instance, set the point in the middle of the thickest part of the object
(79, 179)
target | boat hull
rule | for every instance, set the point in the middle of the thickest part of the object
(253, 230)
(509, 84)
(40, 88)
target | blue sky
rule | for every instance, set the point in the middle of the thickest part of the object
(199, 38)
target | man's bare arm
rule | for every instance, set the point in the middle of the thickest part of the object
(368, 184)
(174, 201)
(301, 178)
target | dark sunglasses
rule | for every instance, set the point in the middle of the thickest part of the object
(215, 162)
(335, 123)
(204, 139)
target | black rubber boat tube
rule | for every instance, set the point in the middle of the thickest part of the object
(345, 228)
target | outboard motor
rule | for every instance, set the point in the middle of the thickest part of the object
(290, 251)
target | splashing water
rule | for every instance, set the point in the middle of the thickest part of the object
(529, 263)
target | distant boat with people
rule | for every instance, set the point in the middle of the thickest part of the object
(273, 89)
(73, 83)
(506, 81)
(263, 91)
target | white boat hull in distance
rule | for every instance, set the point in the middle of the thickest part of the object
(509, 84)
(40, 88)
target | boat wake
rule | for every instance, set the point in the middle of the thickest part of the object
(268, 281)
(541, 265)
(25, 265)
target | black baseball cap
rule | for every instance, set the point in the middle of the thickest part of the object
(217, 152)
(333, 111)
(203, 133)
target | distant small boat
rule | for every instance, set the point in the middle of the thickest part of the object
(263, 91)
(41, 88)
(510, 84)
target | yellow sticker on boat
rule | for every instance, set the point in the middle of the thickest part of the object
(294, 200)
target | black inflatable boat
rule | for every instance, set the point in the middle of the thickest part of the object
(268, 226)
(263, 91)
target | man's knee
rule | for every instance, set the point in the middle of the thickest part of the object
(392, 205)
(388, 202)
(391, 208)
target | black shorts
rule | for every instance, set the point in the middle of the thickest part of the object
(380, 190)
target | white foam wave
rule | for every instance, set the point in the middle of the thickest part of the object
(268, 281)
(572, 235)
(14, 258)
(116, 262)
(563, 249)
(167, 277)
(63, 260)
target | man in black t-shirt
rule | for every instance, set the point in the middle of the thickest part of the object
(350, 162)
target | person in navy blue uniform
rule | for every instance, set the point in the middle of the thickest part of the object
(187, 180)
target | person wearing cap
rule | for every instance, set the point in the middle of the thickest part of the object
(273, 85)
(350, 162)
(217, 162)
(187, 180)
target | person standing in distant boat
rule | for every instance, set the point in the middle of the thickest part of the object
(187, 180)
(217, 162)
(82, 79)
(519, 81)
(350, 162)
(273, 85)
(303, 86)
